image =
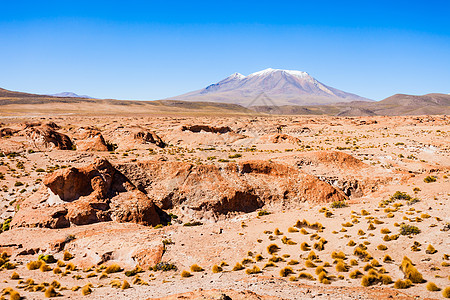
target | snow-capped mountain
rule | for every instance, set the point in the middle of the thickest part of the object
(283, 87)
(69, 94)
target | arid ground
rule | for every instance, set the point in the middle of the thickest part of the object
(224, 207)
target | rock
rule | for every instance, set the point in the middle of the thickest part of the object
(89, 139)
(7, 132)
(283, 138)
(134, 137)
(95, 193)
(209, 191)
(206, 128)
(44, 136)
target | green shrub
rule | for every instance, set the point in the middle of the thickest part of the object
(263, 213)
(406, 229)
(338, 204)
(429, 179)
(114, 268)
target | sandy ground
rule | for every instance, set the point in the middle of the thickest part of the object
(398, 153)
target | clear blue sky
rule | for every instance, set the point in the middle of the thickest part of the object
(156, 49)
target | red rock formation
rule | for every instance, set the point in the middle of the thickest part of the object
(45, 136)
(86, 195)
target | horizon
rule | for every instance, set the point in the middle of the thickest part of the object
(152, 51)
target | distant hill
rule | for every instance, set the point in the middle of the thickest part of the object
(69, 94)
(281, 87)
(12, 102)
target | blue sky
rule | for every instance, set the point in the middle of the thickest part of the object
(151, 50)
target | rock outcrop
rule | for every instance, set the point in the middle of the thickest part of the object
(45, 136)
(210, 191)
(133, 137)
(206, 128)
(81, 196)
(89, 139)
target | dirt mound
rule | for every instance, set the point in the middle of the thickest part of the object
(206, 191)
(89, 139)
(206, 128)
(44, 136)
(86, 195)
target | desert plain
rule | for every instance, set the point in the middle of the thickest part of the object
(243, 206)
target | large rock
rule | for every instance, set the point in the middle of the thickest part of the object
(45, 136)
(133, 137)
(89, 139)
(81, 196)
(210, 191)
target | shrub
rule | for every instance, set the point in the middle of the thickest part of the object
(338, 204)
(430, 250)
(33, 265)
(164, 266)
(304, 246)
(15, 276)
(263, 213)
(276, 259)
(385, 279)
(238, 267)
(286, 271)
(429, 179)
(381, 247)
(293, 262)
(67, 256)
(259, 257)
(402, 284)
(196, 268)
(187, 274)
(322, 276)
(351, 243)
(387, 258)
(312, 255)
(216, 269)
(341, 267)
(348, 224)
(304, 275)
(125, 285)
(400, 196)
(194, 223)
(410, 271)
(375, 263)
(246, 261)
(431, 286)
(60, 263)
(114, 268)
(353, 262)
(86, 290)
(338, 255)
(355, 274)
(14, 295)
(45, 268)
(446, 292)
(50, 292)
(269, 264)
(277, 232)
(406, 229)
(133, 272)
(272, 248)
(309, 264)
(292, 229)
(253, 270)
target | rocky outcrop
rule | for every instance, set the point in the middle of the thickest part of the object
(209, 190)
(206, 128)
(133, 137)
(81, 196)
(89, 139)
(7, 132)
(283, 138)
(44, 136)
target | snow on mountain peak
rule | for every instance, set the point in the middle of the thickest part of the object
(271, 71)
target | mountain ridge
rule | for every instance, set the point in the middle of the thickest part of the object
(283, 87)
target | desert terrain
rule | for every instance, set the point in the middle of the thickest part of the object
(242, 205)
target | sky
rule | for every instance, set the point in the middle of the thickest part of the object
(149, 50)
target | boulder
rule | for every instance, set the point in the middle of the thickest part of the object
(89, 139)
(44, 136)
(80, 196)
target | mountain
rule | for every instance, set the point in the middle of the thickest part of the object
(69, 94)
(278, 87)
